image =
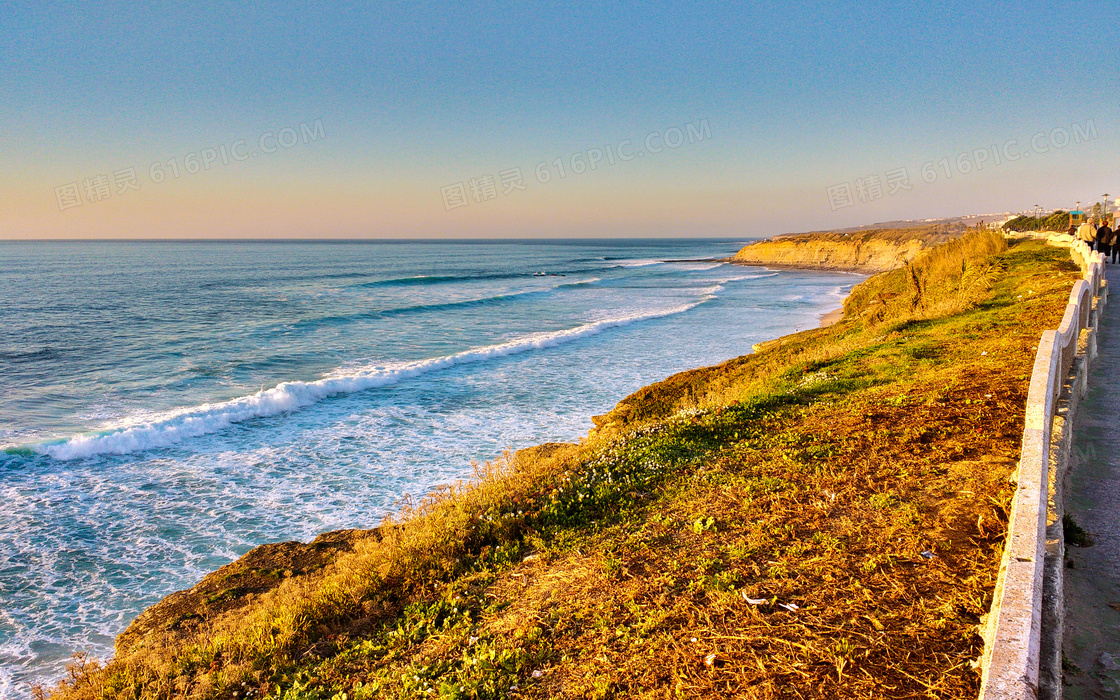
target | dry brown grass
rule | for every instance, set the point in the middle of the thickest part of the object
(930, 235)
(831, 514)
(941, 281)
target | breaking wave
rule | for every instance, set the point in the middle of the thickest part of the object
(170, 428)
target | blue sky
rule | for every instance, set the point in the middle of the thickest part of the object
(799, 99)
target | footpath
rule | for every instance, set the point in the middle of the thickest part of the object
(1091, 639)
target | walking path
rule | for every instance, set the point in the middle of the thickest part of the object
(1091, 643)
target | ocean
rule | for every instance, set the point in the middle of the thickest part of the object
(167, 406)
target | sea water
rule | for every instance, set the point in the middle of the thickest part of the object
(166, 406)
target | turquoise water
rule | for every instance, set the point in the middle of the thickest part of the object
(165, 407)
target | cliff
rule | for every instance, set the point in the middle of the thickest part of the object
(233, 586)
(782, 522)
(869, 251)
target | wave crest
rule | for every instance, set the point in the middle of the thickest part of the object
(170, 428)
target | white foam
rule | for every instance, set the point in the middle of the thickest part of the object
(698, 266)
(740, 278)
(170, 428)
(581, 283)
(15, 654)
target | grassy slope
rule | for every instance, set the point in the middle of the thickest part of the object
(813, 474)
(934, 234)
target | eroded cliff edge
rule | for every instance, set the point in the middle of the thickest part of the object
(868, 251)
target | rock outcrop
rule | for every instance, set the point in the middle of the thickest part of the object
(870, 251)
(260, 570)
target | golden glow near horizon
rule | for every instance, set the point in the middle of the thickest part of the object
(697, 193)
(234, 192)
(393, 132)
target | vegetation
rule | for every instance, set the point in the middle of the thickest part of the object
(943, 280)
(1074, 534)
(822, 519)
(1058, 221)
(929, 234)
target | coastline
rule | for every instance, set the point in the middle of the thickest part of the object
(826, 319)
(655, 491)
(869, 251)
(205, 598)
(831, 317)
(811, 267)
(739, 323)
(244, 573)
(806, 265)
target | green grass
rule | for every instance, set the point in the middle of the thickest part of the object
(1074, 534)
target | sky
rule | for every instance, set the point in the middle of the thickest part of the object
(478, 120)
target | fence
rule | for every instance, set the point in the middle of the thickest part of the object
(1010, 664)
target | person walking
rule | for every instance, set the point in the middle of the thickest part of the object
(1104, 239)
(1087, 233)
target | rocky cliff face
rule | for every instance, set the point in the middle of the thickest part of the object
(869, 251)
(234, 586)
